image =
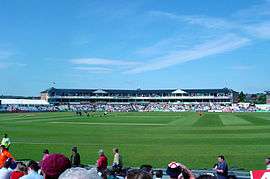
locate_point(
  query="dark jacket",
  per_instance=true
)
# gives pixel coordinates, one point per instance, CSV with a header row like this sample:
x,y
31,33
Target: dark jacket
x,y
75,160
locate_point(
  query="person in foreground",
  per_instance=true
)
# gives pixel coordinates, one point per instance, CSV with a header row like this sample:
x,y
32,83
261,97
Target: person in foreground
x,y
32,171
221,168
117,161
75,158
179,171
138,174
76,173
4,155
19,171
267,163
54,165
102,162
4,171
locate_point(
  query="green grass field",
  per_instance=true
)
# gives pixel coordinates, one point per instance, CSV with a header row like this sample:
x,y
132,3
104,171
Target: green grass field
x,y
145,138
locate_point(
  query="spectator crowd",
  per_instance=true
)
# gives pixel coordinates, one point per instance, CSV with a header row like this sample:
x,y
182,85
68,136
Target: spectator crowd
x,y
136,107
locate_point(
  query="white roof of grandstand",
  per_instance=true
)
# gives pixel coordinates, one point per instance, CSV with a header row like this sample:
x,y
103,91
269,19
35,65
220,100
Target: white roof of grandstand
x,y
178,91
100,91
24,101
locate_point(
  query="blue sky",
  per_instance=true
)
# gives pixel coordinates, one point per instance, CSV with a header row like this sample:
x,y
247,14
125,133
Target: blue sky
x,y
134,44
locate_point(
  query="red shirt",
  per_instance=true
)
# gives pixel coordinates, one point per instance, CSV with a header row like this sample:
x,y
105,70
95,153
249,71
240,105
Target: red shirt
x,y
102,162
4,156
16,175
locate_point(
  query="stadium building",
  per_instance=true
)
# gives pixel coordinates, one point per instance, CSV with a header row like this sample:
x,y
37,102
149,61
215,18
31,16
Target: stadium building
x,y
186,96
267,97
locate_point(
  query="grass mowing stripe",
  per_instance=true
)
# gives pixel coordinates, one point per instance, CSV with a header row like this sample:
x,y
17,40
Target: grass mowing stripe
x,y
150,144
38,119
185,120
110,124
209,119
264,117
233,120
254,120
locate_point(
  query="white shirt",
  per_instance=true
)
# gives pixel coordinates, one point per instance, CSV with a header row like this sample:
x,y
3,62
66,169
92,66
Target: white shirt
x,y
4,173
32,175
268,167
5,142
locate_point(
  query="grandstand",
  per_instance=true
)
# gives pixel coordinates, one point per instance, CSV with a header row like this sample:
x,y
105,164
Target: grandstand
x,y
267,97
185,96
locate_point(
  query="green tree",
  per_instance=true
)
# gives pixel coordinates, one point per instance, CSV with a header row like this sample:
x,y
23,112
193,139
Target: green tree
x,y
261,99
242,97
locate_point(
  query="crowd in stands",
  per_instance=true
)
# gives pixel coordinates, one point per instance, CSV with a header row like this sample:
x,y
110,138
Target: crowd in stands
x,y
54,166
27,108
132,107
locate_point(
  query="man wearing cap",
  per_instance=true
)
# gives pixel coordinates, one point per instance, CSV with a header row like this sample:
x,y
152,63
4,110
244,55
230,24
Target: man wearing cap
x,y
102,161
6,141
221,168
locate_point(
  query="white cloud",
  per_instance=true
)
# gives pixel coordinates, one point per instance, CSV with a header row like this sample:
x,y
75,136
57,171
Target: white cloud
x,y
261,30
205,21
94,69
253,22
229,33
162,47
102,61
226,43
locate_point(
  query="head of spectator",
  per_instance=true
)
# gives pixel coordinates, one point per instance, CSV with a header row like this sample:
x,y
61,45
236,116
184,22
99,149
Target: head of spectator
x,y
78,173
21,167
45,154
207,176
32,166
159,174
45,151
147,168
101,152
2,147
19,171
74,149
8,163
54,165
5,135
115,150
174,170
221,158
138,174
267,163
